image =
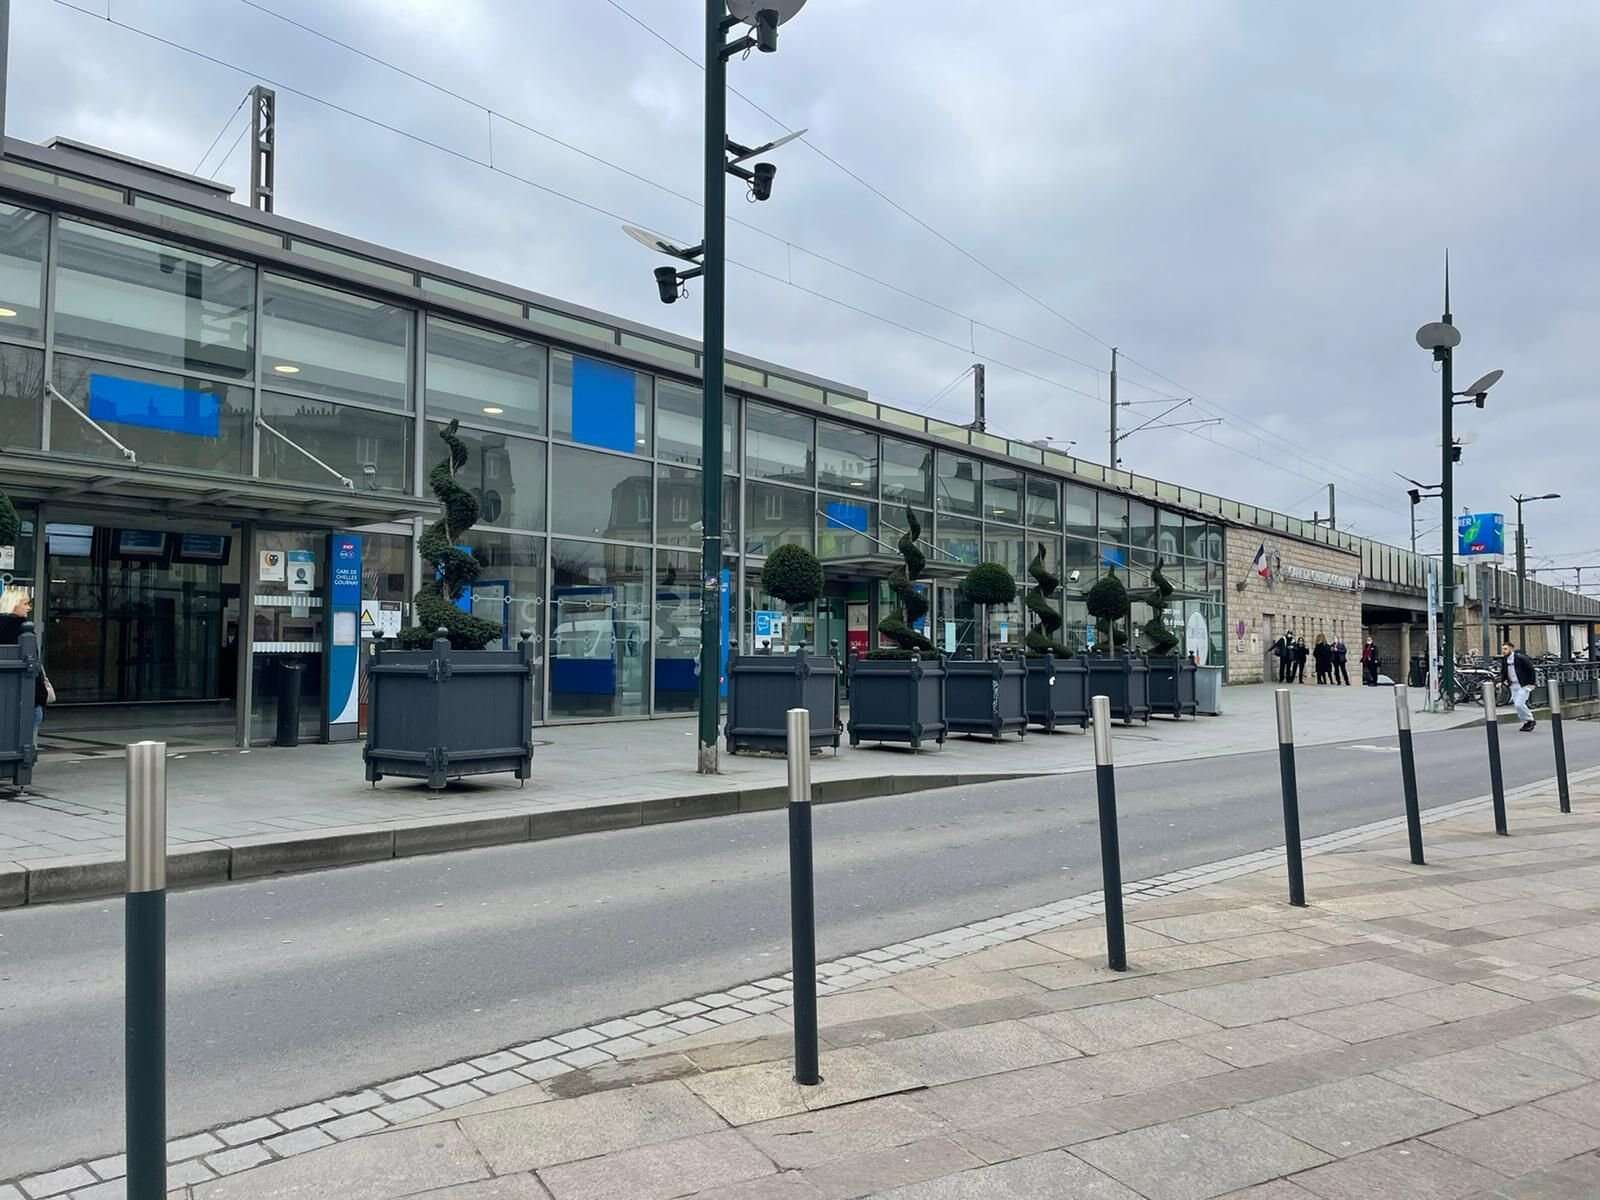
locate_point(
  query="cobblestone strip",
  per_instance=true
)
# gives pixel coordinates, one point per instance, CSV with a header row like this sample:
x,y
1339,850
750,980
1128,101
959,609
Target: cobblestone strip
x,y
198,1157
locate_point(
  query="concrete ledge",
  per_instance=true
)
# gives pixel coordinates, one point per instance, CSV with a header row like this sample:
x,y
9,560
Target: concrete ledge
x,y
763,799
688,808
572,821
197,863
431,837
13,885
76,879
273,855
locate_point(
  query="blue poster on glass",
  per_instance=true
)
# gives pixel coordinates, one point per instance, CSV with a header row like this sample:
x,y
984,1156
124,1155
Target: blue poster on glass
x,y
341,634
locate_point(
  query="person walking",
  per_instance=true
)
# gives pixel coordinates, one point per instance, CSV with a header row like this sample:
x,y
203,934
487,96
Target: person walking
x,y
1301,653
1340,656
1283,650
16,605
1324,656
1369,664
1516,671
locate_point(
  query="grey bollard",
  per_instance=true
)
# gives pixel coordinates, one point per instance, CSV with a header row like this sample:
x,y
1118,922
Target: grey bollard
x,y
1560,741
1408,770
1491,728
1110,852
802,900
145,996
1291,801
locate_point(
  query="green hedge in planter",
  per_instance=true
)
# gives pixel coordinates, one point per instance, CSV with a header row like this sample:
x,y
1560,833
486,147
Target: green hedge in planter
x,y
453,567
899,625
1042,639
1160,638
793,575
1107,602
986,584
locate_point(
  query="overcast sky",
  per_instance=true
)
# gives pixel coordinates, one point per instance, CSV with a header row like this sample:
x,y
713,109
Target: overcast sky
x,y
1253,199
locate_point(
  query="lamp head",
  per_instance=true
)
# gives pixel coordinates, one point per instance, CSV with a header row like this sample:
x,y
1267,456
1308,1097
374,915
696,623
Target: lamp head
x,y
1416,495
761,184
667,284
1436,335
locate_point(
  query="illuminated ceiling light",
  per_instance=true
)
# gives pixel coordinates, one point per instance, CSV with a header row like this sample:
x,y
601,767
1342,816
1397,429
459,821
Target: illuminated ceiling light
x,y
857,483
286,369
7,312
493,410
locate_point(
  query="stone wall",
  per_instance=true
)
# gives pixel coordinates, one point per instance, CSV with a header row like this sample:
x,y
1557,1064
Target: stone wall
x,y
1266,608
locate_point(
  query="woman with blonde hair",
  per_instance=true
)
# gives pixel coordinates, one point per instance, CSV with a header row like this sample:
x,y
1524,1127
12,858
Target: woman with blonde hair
x,y
16,606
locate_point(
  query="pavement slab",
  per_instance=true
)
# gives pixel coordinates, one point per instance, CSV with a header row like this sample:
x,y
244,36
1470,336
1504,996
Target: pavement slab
x,y
1412,1170
1352,1116
1199,1157
1518,1140
1484,1079
399,1163
660,1171
1048,1176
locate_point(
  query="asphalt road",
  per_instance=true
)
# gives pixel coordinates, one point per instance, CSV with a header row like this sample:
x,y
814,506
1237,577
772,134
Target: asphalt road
x,y
294,989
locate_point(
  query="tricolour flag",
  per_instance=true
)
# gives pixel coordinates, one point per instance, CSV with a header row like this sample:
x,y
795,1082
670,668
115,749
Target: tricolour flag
x,y
1259,563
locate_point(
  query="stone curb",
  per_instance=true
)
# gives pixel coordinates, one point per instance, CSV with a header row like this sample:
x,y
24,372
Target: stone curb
x,y
94,877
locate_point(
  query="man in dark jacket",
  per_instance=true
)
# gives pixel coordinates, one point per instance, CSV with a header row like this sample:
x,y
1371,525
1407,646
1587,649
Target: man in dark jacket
x,y
1341,654
1283,650
1516,671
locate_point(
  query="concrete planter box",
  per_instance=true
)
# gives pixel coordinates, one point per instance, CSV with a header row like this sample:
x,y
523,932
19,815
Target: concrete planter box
x,y
1125,682
19,668
762,688
442,714
1208,691
897,700
986,696
1172,685
1057,692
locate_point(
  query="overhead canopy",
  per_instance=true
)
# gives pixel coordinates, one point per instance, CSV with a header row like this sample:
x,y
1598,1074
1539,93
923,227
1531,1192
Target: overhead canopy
x,y
155,491
881,566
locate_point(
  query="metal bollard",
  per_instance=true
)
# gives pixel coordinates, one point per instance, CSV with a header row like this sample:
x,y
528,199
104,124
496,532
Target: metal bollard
x,y
1491,726
1408,770
1110,853
1291,801
802,900
1561,746
145,997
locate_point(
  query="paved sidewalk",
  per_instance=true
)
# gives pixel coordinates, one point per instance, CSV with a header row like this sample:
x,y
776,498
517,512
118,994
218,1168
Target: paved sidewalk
x,y
238,814
1417,1032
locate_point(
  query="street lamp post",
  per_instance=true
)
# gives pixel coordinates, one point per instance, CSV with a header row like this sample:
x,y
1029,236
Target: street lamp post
x,y
1522,553
1441,337
1418,493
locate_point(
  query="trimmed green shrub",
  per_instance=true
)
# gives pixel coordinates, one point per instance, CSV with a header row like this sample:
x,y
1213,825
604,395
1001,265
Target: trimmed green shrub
x,y
454,567
990,583
1107,602
898,626
10,523
1042,639
1160,638
793,575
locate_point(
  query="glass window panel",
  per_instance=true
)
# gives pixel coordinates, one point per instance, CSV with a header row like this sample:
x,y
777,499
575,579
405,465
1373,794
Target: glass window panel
x,y
1114,519
988,441
1141,526
1082,556
777,516
467,295
956,433
353,262
21,397
1027,453
1061,462
167,420
864,408
1079,511
23,234
1169,534
777,444
907,472
678,506
892,523
565,324
847,459
1194,537
678,416
1044,503
1002,494
70,182
734,373
505,473
140,299
666,353
846,528
1009,548
677,631
793,387
334,344
212,221
599,495
509,588
599,403
1215,548
905,420
599,628
485,377
960,539
372,448
957,484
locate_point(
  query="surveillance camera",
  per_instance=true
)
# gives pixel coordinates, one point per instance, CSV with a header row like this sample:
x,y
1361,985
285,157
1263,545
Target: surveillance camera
x,y
761,184
767,30
1416,496
667,284
1072,576
1455,454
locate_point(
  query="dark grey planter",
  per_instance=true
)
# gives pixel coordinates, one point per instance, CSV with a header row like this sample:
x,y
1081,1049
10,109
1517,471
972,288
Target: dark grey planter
x,y
1125,682
897,700
985,696
1172,685
442,714
1057,692
762,688
19,668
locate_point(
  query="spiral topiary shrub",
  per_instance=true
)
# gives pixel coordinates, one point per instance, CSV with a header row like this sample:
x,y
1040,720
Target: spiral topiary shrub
x,y
10,523
1159,637
453,567
1107,602
899,625
1042,638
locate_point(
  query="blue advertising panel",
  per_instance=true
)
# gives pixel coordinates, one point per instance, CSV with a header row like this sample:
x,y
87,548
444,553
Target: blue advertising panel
x,y
603,405
342,633
119,401
1481,534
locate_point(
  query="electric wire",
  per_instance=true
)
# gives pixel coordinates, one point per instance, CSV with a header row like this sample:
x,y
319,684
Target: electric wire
x,y
225,126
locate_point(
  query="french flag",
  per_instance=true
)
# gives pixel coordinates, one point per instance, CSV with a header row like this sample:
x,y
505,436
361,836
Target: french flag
x,y
1259,563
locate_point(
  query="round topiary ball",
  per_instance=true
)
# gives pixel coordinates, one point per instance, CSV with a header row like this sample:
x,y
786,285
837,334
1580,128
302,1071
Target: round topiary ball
x,y
990,583
793,575
1107,599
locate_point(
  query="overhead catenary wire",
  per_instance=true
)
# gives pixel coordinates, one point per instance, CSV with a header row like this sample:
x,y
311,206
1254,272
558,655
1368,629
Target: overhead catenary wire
x,y
225,127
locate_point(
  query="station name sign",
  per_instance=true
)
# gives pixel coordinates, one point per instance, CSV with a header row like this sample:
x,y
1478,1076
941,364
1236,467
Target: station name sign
x,y
1325,579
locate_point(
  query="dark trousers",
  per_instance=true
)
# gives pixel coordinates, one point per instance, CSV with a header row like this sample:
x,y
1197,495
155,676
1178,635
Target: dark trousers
x,y
1285,669
1299,673
1341,673
1369,674
1322,673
